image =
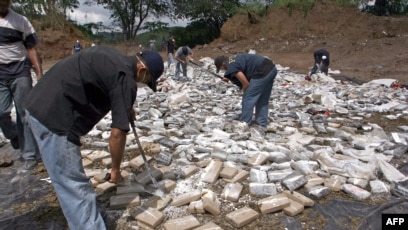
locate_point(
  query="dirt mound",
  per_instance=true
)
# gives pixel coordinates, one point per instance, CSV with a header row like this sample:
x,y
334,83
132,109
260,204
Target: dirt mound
x,y
362,46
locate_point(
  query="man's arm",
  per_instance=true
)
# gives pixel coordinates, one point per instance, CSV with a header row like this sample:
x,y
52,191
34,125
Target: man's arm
x,y
117,143
179,59
35,60
244,81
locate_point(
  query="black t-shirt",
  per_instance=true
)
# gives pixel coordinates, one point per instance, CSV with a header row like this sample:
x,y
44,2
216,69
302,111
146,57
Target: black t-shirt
x,y
170,46
318,54
80,90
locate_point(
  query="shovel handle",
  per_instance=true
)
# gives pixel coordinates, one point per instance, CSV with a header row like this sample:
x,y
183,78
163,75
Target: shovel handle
x,y
132,124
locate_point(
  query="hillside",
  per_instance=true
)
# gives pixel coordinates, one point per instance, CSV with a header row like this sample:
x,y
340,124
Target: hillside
x,y
362,46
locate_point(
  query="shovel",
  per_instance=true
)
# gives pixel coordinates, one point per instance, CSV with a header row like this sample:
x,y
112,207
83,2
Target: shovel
x,y
158,192
204,69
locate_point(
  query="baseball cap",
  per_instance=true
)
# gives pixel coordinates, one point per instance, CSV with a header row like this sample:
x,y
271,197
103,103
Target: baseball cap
x,y
218,62
155,64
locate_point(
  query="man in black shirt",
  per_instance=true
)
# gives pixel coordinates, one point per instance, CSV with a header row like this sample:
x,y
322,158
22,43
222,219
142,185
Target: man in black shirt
x,y
170,51
69,100
322,60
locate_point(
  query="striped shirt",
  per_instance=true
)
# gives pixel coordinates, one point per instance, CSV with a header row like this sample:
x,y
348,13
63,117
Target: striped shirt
x,y
16,35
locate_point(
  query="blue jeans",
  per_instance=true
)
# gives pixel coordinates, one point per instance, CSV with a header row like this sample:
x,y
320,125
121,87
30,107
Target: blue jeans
x,y
184,68
257,96
17,90
64,166
170,59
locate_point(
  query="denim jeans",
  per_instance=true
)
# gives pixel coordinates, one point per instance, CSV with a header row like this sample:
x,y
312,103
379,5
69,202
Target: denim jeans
x,y
17,90
64,166
170,59
184,68
257,96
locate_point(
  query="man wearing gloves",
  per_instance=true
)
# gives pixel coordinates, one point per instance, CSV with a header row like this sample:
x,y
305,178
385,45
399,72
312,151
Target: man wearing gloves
x,y
70,99
255,75
322,60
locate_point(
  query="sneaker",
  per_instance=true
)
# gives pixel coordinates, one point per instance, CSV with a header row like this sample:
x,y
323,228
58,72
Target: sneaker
x,y
30,164
14,142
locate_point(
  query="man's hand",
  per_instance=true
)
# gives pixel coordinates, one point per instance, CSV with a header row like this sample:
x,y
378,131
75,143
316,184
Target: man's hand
x,y
225,79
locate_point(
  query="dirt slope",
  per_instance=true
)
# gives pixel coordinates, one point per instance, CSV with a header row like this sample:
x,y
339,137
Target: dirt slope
x,y
362,46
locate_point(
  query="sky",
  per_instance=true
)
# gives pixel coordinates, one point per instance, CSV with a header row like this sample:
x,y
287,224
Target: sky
x,y
94,14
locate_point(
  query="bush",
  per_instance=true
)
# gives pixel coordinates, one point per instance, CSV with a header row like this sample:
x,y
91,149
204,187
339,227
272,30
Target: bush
x,y
256,7
387,7
292,5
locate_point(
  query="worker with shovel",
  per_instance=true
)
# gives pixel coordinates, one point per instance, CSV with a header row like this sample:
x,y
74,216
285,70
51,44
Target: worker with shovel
x,y
255,75
69,100
182,56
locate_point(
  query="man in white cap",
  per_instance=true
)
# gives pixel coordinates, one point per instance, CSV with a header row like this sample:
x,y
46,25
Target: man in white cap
x,y
322,60
68,101
77,47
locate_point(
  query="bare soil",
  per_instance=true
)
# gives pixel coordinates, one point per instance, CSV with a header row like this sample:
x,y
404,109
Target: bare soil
x,y
362,46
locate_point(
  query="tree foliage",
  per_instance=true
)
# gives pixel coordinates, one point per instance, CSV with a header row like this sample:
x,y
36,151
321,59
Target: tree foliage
x,y
34,8
206,19
154,25
129,15
203,9
387,7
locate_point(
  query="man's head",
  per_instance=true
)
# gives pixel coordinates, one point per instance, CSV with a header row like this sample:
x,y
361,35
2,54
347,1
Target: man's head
x,y
186,51
4,7
151,69
220,63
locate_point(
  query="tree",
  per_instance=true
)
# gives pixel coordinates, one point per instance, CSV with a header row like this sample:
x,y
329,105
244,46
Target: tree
x,y
207,18
150,26
129,15
386,7
218,10
47,7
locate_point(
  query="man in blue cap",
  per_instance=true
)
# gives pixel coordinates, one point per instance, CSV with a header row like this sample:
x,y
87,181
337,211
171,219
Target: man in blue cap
x,y
68,101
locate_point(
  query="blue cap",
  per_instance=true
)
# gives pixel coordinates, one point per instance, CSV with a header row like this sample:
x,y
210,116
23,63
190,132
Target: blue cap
x,y
155,64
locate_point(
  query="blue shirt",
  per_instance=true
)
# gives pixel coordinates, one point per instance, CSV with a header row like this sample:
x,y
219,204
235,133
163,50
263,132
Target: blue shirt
x,y
252,65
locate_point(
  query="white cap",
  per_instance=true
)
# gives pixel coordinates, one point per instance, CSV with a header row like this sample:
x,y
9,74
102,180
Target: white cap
x,y
324,57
